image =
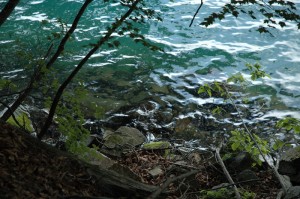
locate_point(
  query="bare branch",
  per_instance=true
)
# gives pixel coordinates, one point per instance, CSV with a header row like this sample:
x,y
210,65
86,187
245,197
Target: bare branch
x,y
168,182
196,13
7,10
236,191
37,73
63,86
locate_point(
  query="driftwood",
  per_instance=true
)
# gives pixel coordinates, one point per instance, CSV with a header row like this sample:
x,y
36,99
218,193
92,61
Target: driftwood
x,y
37,168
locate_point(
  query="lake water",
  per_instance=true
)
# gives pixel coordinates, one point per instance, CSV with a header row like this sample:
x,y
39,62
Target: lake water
x,y
132,80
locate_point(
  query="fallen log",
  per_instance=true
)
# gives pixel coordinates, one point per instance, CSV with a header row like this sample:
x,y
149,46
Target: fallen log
x,y
32,169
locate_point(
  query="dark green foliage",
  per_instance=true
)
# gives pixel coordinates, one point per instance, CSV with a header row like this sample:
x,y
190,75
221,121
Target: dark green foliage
x,y
274,13
225,193
131,27
256,72
289,124
6,86
222,193
242,141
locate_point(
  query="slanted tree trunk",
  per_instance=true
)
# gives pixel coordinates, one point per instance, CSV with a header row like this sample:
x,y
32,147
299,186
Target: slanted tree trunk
x,y
7,10
36,77
30,167
63,86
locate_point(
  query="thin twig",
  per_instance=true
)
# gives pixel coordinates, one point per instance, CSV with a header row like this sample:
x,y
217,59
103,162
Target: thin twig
x,y
237,183
168,182
196,13
48,51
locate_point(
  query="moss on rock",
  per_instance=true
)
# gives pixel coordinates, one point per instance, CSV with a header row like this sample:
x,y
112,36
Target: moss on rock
x,y
23,120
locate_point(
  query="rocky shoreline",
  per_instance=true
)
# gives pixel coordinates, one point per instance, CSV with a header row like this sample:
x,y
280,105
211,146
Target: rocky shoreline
x,y
151,159
189,138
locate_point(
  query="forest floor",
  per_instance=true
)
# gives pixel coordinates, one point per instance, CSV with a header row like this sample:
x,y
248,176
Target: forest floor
x,y
31,171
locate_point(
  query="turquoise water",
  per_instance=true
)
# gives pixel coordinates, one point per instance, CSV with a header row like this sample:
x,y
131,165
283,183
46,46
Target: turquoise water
x,y
132,74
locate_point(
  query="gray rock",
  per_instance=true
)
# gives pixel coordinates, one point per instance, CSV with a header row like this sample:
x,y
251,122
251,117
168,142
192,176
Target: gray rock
x,y
100,160
156,171
240,162
123,137
290,165
133,136
296,178
287,168
247,175
291,154
293,193
122,140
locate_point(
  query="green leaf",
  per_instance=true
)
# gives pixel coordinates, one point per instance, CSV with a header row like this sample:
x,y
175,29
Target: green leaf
x,y
218,111
297,129
235,146
205,89
278,145
236,78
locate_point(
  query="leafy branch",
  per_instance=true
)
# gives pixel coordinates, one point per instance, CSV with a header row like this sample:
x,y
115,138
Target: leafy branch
x,y
244,139
63,86
274,13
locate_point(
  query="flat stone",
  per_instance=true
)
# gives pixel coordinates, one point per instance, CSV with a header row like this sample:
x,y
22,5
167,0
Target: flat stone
x,y
134,136
157,145
156,171
124,137
122,140
101,160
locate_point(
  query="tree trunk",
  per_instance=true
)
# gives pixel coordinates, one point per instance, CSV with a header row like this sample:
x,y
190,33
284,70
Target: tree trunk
x,y
37,74
63,86
7,10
